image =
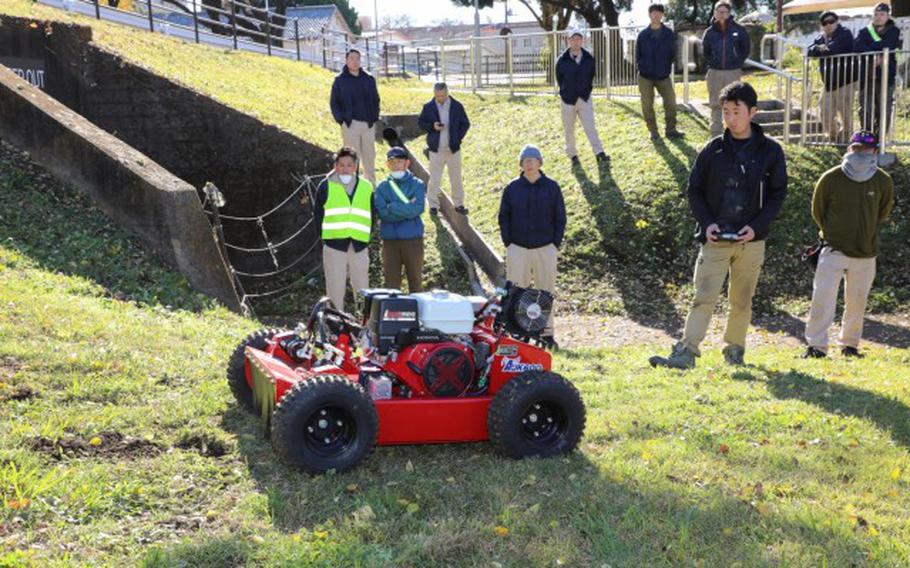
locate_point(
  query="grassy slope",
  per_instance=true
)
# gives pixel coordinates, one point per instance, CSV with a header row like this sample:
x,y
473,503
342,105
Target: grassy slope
x,y
789,462
290,95
628,246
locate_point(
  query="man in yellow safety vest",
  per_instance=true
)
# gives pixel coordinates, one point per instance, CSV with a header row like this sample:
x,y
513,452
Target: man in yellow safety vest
x,y
344,214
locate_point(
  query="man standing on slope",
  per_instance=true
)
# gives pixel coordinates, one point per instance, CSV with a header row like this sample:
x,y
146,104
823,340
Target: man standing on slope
x,y
355,105
575,74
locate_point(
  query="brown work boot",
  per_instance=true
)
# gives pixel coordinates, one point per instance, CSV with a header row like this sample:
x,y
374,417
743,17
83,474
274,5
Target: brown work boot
x,y
680,358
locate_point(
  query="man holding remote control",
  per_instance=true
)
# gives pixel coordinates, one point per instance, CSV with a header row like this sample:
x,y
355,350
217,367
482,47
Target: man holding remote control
x,y
736,189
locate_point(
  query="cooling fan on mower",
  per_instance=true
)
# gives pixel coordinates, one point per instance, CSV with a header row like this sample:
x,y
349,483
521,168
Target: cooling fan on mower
x,y
526,311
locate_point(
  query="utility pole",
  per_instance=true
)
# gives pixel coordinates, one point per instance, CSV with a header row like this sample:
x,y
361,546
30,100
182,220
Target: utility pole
x,y
507,13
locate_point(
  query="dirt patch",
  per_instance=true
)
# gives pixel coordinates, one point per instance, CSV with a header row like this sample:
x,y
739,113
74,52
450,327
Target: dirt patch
x,y
781,330
9,366
104,445
206,444
8,393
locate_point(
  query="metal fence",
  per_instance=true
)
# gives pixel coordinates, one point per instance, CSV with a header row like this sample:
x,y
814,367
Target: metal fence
x,y
842,93
527,62
238,25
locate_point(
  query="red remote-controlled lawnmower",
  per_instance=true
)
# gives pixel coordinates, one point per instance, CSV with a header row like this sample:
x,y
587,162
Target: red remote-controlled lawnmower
x,y
422,368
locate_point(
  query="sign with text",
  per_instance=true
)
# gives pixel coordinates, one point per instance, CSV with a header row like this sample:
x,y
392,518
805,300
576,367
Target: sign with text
x,y
32,70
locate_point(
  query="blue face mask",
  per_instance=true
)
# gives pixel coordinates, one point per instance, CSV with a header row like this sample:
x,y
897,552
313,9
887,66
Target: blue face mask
x,y
398,175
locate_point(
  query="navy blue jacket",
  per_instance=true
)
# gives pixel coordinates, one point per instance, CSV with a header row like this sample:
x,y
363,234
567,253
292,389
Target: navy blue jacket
x,y
354,98
890,39
727,49
576,80
532,215
654,56
759,169
400,220
838,71
458,124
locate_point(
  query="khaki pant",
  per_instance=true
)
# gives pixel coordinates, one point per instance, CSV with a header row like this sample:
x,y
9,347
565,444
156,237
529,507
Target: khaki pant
x,y
742,262
583,111
665,88
439,160
362,138
857,274
538,266
407,253
718,79
338,266
832,104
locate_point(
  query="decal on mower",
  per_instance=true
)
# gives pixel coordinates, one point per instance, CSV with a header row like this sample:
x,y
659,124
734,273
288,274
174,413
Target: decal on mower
x,y
398,315
507,350
516,366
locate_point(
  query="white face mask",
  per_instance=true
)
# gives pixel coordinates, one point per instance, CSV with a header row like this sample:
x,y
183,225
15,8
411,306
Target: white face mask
x,y
345,178
398,175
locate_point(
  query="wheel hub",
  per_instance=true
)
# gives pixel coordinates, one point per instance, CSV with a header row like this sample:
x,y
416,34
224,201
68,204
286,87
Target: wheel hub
x,y
330,431
543,422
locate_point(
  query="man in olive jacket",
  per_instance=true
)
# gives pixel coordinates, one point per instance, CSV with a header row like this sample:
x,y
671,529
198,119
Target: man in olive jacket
x,y
850,203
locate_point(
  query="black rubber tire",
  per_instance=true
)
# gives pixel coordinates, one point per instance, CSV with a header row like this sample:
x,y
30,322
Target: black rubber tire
x,y
237,365
304,406
555,398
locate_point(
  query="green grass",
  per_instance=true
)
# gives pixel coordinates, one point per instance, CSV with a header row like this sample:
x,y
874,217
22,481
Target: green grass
x,y
784,462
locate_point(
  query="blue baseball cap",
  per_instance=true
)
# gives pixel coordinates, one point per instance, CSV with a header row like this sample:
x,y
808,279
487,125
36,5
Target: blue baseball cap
x,y
396,152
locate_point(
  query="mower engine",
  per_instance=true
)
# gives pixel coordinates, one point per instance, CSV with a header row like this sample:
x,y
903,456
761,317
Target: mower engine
x,y
424,341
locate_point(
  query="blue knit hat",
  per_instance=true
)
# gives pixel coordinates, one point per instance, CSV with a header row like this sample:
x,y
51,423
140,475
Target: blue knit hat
x,y
530,151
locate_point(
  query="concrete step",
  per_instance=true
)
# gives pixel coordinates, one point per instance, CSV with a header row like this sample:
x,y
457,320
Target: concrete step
x,y
771,116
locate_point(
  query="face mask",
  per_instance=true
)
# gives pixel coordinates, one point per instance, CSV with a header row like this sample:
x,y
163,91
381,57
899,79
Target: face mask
x,y
345,178
860,166
398,175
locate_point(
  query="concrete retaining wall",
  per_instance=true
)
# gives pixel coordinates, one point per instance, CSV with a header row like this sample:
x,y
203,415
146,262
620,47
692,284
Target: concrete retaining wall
x,y
191,135
137,193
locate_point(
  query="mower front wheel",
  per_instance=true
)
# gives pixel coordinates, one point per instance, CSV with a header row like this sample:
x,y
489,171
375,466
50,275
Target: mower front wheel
x,y
239,375
325,423
538,413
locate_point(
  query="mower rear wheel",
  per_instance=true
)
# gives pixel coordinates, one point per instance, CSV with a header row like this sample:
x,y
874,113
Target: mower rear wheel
x,y
538,413
325,423
238,369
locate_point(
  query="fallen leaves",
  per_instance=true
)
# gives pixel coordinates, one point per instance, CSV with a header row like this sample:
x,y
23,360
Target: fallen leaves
x,y
724,449
896,474
501,531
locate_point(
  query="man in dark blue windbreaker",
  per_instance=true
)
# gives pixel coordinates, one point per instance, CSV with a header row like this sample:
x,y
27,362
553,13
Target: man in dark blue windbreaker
x,y
655,51
726,48
575,74
881,34
355,106
839,71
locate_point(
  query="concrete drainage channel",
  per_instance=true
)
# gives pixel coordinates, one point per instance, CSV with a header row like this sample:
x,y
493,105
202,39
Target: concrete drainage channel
x,y
485,268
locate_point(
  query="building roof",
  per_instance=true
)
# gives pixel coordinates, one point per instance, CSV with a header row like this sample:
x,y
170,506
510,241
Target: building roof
x,y
311,20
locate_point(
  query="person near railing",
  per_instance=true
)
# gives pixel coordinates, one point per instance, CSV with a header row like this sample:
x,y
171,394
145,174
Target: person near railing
x,y
839,73
726,48
532,224
879,35
354,103
343,210
400,201
575,72
736,189
446,123
850,203
655,52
